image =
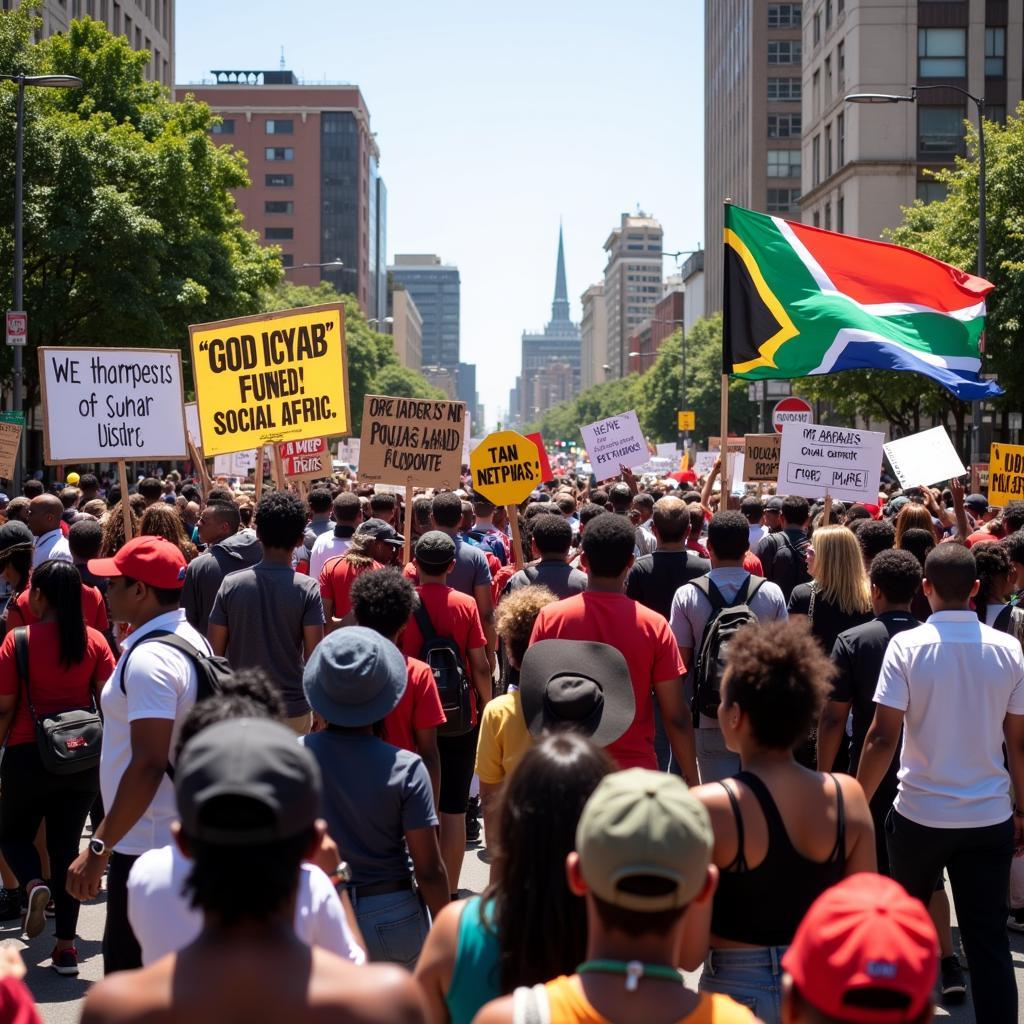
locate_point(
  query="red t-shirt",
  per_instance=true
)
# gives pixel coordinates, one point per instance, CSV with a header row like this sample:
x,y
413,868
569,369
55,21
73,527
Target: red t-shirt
x,y
419,708
94,610
336,579
753,564
452,614
500,579
982,537
646,642
55,686
16,1005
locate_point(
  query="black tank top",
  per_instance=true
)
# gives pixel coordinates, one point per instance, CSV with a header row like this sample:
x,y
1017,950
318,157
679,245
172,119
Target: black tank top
x,y
762,906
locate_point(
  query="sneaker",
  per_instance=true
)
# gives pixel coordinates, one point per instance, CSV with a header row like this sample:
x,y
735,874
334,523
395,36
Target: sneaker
x,y
35,913
65,961
10,904
954,985
473,820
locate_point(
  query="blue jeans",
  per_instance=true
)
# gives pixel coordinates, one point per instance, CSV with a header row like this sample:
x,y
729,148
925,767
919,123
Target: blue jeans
x,y
753,977
715,761
394,926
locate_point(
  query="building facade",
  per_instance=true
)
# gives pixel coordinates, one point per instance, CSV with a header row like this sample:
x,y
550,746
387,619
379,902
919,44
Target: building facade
x,y
435,288
692,273
443,378
862,163
752,116
593,337
465,391
632,283
406,329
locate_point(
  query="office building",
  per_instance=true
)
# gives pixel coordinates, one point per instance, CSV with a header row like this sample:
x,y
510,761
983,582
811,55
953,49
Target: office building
x,y
435,288
752,116
692,273
313,162
554,383
406,329
862,163
593,337
443,378
559,342
632,283
465,391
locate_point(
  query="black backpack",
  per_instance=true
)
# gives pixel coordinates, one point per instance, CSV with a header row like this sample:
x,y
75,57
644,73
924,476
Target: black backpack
x,y
789,567
443,657
725,621
1010,620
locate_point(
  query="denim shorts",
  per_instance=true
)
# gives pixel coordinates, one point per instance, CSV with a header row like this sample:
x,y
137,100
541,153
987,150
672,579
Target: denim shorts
x,y
394,926
752,977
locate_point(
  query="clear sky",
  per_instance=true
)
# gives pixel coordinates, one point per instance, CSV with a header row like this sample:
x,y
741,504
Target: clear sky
x,y
494,121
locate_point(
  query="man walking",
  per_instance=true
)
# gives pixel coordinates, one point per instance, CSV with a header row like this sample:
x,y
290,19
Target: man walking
x,y
44,518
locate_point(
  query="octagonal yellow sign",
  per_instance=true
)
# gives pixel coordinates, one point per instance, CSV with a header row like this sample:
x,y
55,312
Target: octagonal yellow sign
x,y
505,467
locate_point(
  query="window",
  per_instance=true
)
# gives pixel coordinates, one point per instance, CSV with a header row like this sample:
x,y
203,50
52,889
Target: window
x,y
817,27
840,140
940,130
279,180
841,62
281,234
783,163
841,215
828,216
784,88
287,259
828,14
816,160
278,206
226,127
784,126
784,51
816,91
817,219
941,52
280,127
828,80
828,151
996,112
995,52
280,153
782,200
931,191
840,7
784,15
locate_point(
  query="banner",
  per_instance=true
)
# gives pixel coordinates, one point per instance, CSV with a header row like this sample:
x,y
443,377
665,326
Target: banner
x,y
305,460
411,441
761,462
105,404
817,460
614,442
271,377
1005,474
924,459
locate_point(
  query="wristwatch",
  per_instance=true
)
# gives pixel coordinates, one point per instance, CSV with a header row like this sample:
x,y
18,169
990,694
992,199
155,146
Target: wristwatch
x,y
97,847
342,874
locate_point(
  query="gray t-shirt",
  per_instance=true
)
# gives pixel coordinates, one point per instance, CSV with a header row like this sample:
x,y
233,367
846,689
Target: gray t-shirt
x,y
265,609
373,794
471,568
558,576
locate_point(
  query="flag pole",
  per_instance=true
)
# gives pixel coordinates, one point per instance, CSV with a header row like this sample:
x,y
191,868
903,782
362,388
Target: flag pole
x,y
726,479
724,454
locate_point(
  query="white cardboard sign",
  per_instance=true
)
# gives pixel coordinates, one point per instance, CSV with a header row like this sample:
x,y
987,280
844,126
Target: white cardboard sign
x,y
348,451
236,464
817,460
924,459
704,462
613,442
192,424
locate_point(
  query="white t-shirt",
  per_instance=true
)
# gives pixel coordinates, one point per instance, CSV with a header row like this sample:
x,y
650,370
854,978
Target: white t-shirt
x,y
161,683
956,679
756,533
164,922
326,547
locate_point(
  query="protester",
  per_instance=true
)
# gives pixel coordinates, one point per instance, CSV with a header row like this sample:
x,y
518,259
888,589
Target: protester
x,y
114,536
385,507
874,537
753,509
44,520
320,507
332,543
374,545
914,517
996,577
483,531
17,510
161,520
783,553
550,540
16,549
269,616
249,801
526,927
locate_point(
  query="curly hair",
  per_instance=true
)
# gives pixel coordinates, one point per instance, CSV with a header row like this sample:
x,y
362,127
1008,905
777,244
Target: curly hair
x,y
382,600
779,675
280,519
516,615
161,520
995,571
113,530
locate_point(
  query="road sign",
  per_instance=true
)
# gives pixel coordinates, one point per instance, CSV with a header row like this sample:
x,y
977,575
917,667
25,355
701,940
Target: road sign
x,y
505,467
17,328
686,419
791,410
1016,420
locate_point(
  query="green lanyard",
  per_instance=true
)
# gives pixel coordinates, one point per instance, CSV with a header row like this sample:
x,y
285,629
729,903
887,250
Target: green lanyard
x,y
633,970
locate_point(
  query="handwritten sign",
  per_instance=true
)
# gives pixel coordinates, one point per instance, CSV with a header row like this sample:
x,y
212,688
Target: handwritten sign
x,y
614,442
236,464
305,460
10,444
704,462
761,462
348,452
1005,474
105,404
270,378
411,440
925,458
816,460
505,467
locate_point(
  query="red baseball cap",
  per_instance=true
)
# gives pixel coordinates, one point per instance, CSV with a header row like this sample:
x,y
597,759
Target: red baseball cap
x,y
866,933
154,561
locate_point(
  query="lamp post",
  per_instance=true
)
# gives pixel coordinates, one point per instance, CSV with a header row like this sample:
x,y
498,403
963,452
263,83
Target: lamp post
x,y
979,103
38,82
332,264
684,435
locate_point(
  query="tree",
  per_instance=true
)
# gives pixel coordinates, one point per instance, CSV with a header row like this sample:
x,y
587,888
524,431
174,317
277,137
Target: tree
x,y
131,232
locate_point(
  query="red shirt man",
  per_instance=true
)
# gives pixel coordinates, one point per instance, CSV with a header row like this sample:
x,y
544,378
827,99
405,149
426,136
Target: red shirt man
x,y
336,581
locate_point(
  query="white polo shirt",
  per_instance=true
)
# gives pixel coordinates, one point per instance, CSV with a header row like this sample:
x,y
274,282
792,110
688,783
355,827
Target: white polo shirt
x,y
51,545
956,679
326,547
161,683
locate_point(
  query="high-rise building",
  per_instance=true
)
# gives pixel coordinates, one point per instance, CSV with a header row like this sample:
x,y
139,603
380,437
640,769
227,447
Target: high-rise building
x,y
632,283
443,378
692,273
406,329
559,342
861,163
146,24
313,163
752,115
465,388
435,288
593,337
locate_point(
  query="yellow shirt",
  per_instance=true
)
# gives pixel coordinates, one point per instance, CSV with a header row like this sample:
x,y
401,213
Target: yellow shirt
x,y
503,740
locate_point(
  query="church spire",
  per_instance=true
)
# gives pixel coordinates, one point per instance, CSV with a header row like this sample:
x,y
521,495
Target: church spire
x,y
560,307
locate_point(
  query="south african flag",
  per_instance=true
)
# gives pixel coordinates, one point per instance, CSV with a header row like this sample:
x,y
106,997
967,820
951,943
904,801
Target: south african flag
x,y
802,301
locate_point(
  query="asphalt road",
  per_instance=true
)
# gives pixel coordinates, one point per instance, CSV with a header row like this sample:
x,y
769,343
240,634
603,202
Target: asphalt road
x,y
59,998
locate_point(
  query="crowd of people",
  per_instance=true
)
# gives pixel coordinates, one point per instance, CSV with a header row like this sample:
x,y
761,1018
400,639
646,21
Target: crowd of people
x,y
748,737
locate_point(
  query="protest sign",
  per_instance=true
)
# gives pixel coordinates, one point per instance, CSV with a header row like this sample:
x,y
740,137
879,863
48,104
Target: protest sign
x,y
979,477
309,459
1005,473
761,463
10,445
348,452
235,464
505,468
923,459
817,460
542,456
411,441
271,377
669,450
734,444
110,404
737,471
704,462
614,442
466,435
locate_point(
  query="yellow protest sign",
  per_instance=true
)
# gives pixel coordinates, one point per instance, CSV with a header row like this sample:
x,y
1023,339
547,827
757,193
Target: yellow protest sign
x,y
686,419
505,467
1005,474
270,378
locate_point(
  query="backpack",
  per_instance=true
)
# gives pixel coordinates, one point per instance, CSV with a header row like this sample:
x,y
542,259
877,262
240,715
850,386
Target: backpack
x,y
726,619
1010,620
789,566
442,655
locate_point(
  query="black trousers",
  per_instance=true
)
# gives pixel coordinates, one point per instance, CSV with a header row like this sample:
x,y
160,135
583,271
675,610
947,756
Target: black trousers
x,y
29,794
121,951
978,863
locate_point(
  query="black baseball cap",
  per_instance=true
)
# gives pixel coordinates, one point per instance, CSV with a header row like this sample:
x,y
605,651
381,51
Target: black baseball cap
x,y
253,759
773,504
434,549
379,530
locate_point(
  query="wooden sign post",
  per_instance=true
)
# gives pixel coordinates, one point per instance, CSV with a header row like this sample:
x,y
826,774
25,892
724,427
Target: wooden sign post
x,y
407,524
126,510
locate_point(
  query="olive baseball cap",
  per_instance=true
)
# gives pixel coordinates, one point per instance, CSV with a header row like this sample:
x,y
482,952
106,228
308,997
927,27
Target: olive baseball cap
x,y
640,823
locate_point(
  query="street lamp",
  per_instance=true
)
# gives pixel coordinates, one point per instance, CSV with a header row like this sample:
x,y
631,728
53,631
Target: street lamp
x,y
640,356
39,82
684,435
383,322
979,103
332,264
